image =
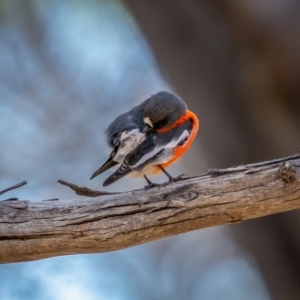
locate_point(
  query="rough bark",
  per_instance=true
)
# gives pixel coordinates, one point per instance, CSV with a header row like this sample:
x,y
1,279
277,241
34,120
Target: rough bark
x,y
36,230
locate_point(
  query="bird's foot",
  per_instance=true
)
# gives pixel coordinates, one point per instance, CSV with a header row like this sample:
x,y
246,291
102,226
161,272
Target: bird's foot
x,y
150,185
178,178
174,179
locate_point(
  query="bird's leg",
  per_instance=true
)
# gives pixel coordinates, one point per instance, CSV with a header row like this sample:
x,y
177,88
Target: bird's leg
x,y
150,183
171,178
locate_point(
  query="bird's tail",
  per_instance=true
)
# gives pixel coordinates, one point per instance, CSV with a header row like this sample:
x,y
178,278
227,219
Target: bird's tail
x,y
107,165
120,173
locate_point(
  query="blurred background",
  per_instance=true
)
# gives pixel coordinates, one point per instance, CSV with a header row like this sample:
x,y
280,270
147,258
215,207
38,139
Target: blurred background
x,y
68,68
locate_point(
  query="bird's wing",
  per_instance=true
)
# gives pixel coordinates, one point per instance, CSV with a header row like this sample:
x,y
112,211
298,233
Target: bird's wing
x,y
123,135
155,149
127,165
127,141
128,121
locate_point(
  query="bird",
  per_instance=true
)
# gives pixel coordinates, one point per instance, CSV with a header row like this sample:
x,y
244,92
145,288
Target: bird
x,y
149,137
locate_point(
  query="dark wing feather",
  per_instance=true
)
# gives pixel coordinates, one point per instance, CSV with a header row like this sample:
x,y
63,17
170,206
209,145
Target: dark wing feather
x,y
129,161
107,165
128,121
123,170
174,134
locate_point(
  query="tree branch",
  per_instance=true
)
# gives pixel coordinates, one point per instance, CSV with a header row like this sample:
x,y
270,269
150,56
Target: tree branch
x,y
35,230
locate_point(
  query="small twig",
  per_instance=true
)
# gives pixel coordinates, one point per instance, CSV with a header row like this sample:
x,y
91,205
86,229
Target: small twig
x,y
273,162
214,172
84,191
13,187
52,199
247,168
11,199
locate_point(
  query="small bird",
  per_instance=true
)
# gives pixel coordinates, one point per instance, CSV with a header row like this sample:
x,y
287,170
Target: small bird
x,y
149,137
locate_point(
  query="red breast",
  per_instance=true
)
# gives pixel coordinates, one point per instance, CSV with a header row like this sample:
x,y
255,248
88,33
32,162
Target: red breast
x,y
180,150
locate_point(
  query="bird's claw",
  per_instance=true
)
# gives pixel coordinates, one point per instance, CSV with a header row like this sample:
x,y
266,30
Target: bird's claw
x,y
150,185
178,178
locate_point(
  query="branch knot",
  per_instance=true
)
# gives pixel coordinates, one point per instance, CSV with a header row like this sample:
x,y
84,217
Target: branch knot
x,y
287,172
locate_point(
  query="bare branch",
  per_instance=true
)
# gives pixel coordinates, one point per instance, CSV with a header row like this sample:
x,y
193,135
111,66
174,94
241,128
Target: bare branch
x,y
35,230
13,187
84,191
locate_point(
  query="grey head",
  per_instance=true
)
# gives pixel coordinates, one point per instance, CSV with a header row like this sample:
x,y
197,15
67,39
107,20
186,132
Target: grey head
x,y
163,110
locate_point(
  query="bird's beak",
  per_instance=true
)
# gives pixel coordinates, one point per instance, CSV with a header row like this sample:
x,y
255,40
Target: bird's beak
x,y
147,128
